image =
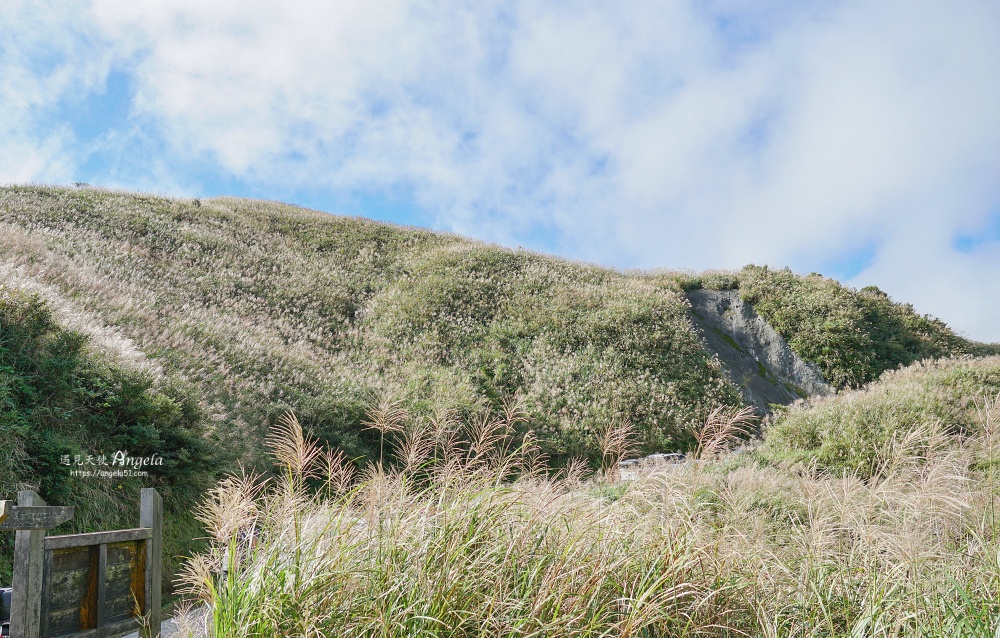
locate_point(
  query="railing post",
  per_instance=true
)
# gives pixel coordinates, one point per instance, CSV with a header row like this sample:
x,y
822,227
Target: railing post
x,y
151,516
29,559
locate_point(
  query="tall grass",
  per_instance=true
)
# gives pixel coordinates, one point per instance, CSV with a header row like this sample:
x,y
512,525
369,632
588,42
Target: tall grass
x,y
265,307
857,431
470,539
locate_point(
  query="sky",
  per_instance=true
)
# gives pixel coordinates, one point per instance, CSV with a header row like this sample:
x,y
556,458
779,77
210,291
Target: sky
x,y
857,139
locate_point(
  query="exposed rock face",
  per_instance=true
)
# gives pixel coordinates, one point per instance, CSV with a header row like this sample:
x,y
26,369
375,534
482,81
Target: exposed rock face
x,y
753,354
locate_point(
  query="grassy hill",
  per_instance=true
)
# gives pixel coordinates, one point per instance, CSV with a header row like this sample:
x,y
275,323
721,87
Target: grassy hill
x,y
260,307
263,307
188,328
883,523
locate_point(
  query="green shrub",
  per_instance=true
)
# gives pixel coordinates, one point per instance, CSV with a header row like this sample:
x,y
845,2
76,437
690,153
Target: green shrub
x,y
853,336
583,347
858,432
59,401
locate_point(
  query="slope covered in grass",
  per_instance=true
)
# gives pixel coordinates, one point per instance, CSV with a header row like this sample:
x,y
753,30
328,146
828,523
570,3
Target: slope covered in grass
x,y
264,307
859,432
471,540
244,310
852,335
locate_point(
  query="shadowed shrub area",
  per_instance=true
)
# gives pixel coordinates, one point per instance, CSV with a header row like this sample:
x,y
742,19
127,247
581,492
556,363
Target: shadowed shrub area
x,y
62,407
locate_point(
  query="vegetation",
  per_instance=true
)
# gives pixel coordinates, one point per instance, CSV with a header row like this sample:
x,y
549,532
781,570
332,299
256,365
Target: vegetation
x,y
266,307
859,432
188,328
62,405
853,335
465,537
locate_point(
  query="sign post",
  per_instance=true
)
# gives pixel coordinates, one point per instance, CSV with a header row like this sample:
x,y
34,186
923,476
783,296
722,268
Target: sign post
x,y
98,584
30,518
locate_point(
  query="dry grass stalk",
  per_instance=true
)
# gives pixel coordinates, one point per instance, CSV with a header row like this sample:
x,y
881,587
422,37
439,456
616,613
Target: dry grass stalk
x,y
618,441
724,428
988,416
387,416
291,448
339,472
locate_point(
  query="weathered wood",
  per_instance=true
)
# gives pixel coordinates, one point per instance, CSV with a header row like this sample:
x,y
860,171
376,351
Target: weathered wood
x,y
29,559
64,621
35,517
119,609
138,584
88,611
123,553
71,591
151,516
71,559
85,585
119,588
114,629
97,538
69,597
102,585
122,572
43,614
70,579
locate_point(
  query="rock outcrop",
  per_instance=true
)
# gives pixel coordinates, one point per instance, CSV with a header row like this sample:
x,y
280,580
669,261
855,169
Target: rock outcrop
x,y
757,359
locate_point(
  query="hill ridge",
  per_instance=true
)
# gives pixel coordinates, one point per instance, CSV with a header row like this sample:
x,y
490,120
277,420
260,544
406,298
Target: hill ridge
x,y
263,307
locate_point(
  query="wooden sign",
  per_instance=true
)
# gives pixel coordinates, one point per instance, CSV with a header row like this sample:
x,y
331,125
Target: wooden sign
x,y
38,517
94,581
95,585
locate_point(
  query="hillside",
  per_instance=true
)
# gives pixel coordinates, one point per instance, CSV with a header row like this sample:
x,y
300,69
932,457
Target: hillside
x,y
260,307
881,522
263,307
852,336
187,328
907,411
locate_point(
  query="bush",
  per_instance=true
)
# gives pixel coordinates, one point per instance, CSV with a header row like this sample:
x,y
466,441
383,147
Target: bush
x,y
59,402
856,432
583,347
853,336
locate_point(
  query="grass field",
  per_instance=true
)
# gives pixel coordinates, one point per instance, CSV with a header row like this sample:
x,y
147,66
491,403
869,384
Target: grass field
x,y
471,539
473,400
262,307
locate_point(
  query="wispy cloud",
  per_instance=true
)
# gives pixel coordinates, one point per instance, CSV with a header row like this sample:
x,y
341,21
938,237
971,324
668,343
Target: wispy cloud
x,y
853,136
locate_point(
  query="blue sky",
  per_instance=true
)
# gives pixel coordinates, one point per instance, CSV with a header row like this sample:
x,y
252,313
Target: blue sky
x,y
855,139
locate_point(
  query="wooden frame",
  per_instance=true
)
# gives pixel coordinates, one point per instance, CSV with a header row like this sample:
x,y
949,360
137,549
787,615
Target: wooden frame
x,y
95,585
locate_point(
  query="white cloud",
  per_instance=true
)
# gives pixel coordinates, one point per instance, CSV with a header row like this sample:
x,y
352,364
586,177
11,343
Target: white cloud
x,y
35,45
683,134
